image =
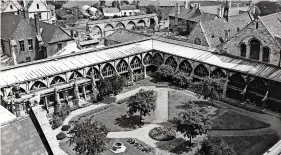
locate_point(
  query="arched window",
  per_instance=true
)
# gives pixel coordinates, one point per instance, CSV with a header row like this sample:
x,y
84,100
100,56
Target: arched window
x,y
94,71
37,6
255,49
258,85
135,63
107,70
243,50
265,56
57,80
201,71
218,73
171,62
197,41
147,59
185,67
122,66
38,85
158,60
75,75
237,80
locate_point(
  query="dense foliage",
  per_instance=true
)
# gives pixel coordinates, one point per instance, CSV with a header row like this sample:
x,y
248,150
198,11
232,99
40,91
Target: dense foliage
x,y
153,9
192,121
162,134
111,85
268,7
65,128
60,136
142,102
88,138
209,88
215,146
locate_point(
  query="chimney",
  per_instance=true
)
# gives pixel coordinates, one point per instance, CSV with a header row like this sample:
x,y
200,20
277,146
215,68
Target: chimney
x,y
187,4
37,26
13,47
220,11
177,14
25,13
227,32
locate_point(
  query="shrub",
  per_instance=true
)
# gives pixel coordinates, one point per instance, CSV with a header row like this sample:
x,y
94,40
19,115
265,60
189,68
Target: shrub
x,y
61,136
65,128
162,134
57,122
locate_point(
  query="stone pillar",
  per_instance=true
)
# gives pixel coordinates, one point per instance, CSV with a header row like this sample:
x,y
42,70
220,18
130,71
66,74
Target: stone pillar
x,y
46,102
131,75
84,92
225,86
144,71
248,51
19,110
261,55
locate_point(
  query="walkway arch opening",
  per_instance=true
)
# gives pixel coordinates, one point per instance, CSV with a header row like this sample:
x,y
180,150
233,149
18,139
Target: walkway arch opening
x,y
218,73
108,29
141,24
122,66
96,32
107,70
157,59
131,25
255,49
120,26
38,85
171,62
152,23
147,60
201,71
57,80
75,75
93,71
185,67
236,85
19,89
136,62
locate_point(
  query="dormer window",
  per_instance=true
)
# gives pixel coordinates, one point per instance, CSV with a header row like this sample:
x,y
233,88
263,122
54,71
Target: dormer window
x,y
37,6
11,6
257,25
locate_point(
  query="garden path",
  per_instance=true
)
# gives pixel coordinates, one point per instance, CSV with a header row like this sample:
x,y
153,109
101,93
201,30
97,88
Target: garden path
x,y
161,109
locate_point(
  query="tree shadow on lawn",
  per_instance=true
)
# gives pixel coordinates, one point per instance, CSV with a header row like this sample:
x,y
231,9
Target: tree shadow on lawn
x,y
131,122
177,146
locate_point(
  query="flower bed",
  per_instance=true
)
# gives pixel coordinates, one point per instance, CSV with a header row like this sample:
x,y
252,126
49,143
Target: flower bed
x,y
162,134
140,146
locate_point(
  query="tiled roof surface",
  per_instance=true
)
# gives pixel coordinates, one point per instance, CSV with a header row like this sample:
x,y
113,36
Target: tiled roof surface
x,y
192,14
272,23
19,137
110,10
214,10
160,2
128,7
214,29
125,36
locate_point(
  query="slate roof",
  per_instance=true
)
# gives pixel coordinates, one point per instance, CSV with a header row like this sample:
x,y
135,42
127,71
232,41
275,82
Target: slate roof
x,y
214,29
192,14
20,137
128,7
110,10
122,35
48,32
9,24
214,10
160,3
272,23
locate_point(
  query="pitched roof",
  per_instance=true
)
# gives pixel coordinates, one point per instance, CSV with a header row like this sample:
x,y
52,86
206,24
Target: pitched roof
x,y
20,136
214,10
48,32
110,10
5,3
10,23
123,35
272,23
71,4
160,3
128,7
192,14
214,29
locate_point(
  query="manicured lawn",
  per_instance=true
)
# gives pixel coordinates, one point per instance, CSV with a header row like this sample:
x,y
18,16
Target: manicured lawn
x,y
130,150
252,145
114,118
232,120
144,82
222,119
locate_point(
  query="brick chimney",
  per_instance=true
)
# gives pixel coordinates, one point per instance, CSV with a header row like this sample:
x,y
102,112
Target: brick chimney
x,y
13,48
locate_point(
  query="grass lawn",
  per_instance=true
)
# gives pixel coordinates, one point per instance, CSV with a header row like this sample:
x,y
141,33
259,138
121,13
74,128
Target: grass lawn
x,y
130,150
222,119
114,118
252,145
144,82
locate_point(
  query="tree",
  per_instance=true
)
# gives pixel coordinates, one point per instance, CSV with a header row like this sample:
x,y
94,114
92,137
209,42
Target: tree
x,y
115,4
215,146
209,89
192,122
165,73
153,9
267,7
117,84
142,102
102,3
125,2
182,79
88,138
105,88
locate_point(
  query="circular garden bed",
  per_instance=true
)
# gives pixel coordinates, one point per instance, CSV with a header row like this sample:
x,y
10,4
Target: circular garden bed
x,y
162,134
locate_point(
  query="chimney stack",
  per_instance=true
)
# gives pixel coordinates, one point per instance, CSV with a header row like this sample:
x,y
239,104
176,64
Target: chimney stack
x,y
220,11
187,4
13,47
37,26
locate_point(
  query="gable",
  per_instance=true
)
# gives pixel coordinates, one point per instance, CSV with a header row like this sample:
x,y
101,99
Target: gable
x,y
32,7
15,7
198,32
60,36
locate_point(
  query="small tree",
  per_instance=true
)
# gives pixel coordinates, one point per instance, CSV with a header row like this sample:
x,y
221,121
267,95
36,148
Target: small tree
x,y
153,9
142,102
209,89
215,146
182,79
88,138
165,73
192,122
105,88
117,84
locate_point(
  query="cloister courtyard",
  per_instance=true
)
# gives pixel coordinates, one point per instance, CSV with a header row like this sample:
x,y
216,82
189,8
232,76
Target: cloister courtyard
x,y
248,132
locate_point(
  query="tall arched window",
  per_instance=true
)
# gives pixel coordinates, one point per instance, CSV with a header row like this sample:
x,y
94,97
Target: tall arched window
x,y
158,60
122,66
57,80
37,6
75,75
185,67
265,56
147,59
38,85
243,50
93,71
255,49
135,63
201,71
171,62
107,70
